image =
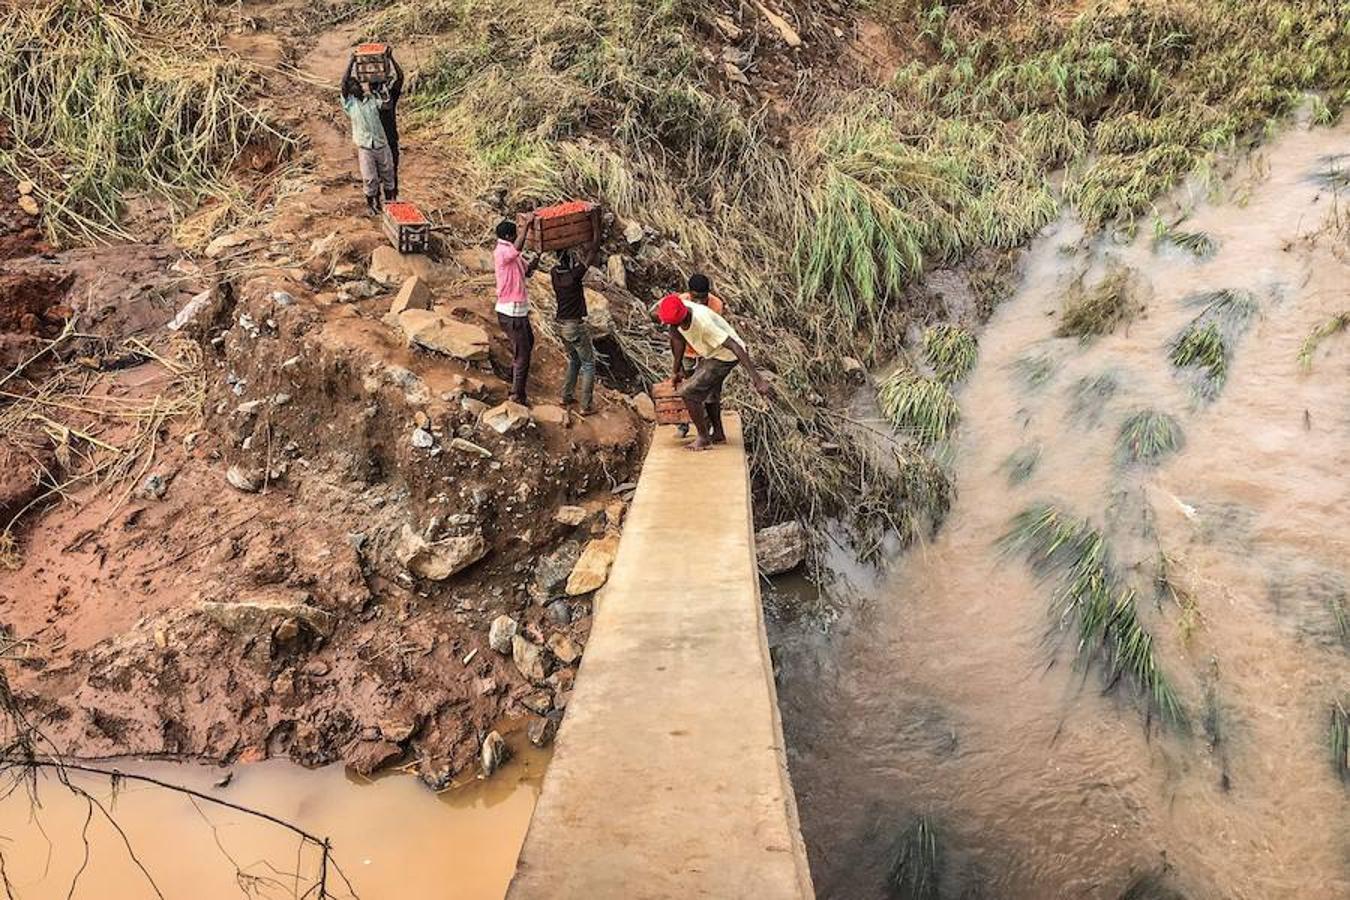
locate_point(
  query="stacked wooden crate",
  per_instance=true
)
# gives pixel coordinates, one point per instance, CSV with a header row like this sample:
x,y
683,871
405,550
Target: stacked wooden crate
x,y
372,63
562,226
405,226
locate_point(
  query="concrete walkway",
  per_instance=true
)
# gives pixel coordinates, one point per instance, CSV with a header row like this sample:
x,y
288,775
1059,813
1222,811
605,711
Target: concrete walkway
x,y
669,778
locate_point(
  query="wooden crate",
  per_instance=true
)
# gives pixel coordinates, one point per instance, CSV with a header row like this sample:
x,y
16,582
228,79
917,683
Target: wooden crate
x,y
670,408
562,226
405,226
372,63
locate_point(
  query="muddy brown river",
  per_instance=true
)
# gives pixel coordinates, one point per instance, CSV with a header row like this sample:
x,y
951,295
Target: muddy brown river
x,y
944,687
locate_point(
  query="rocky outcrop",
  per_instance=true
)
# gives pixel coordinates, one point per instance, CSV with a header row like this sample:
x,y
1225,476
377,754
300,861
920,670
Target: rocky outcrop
x,y
592,568
438,560
780,548
432,331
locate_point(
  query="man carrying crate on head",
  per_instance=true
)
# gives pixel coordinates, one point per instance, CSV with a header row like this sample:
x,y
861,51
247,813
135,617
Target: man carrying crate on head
x,y
372,147
719,349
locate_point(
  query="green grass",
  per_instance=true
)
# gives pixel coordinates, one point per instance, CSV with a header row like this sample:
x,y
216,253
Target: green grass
x,y
1089,395
919,407
1338,733
1197,243
1101,309
1330,328
1035,370
1148,436
1021,464
916,863
1091,595
100,105
1205,345
952,352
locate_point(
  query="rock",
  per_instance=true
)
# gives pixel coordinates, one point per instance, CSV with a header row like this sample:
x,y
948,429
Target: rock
x,y
283,298
475,259
397,730
494,753
615,270
250,481
316,668
390,267
552,570
633,233
432,331
599,319
422,439
438,560
529,658
785,31
550,415
559,612
542,731
730,30
470,447
367,757
26,187
561,646
220,245
29,205
644,405
592,568
539,702
501,633
506,417
360,290
734,75
570,515
191,310
853,369
153,487
413,295
780,548
265,618
473,407
250,407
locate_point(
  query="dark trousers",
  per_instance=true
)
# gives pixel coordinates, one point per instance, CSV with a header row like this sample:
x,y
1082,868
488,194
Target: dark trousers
x,y
390,124
521,336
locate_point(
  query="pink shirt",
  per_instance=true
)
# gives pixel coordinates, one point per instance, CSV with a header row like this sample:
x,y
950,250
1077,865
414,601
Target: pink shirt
x,y
510,264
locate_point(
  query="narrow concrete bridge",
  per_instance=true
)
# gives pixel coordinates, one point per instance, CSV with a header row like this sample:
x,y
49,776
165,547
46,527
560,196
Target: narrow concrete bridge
x,y
669,778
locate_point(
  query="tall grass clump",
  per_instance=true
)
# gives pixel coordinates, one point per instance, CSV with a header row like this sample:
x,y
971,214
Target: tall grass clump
x,y
1338,734
1100,309
1330,328
108,99
920,407
1205,345
1147,436
916,863
951,351
1091,595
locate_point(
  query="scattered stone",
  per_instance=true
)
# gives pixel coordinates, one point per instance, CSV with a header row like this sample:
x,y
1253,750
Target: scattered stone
x,y
432,331
283,298
734,75
413,295
559,612
550,415
599,319
422,439
853,369
501,633
506,417
26,187
460,443
618,274
529,658
475,259
592,568
541,731
785,31
249,407
552,570
633,233
644,405
730,30
495,752
561,646
153,487
539,702
191,310
571,515
217,248
161,639
29,205
250,481
281,399
438,560
390,267
473,407
316,668
780,548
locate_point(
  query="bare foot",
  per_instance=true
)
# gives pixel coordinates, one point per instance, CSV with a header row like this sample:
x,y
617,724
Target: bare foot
x,y
699,444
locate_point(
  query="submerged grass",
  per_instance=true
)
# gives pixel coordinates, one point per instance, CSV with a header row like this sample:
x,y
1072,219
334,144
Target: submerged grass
x,y
1330,328
1147,436
951,351
1035,369
920,407
1197,243
1088,397
916,863
1091,595
1100,309
1338,734
1205,345
1021,464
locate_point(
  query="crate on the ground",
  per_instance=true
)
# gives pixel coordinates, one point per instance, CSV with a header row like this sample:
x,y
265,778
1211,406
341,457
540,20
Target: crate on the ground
x,y
670,408
562,226
373,63
407,229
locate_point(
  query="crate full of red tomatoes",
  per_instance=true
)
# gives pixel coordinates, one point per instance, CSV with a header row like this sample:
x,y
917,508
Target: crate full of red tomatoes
x,y
373,63
405,226
563,226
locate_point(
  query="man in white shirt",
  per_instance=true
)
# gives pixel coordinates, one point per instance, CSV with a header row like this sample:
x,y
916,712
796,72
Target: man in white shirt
x,y
719,348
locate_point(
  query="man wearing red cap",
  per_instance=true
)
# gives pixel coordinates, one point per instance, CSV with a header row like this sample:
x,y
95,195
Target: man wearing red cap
x,y
719,349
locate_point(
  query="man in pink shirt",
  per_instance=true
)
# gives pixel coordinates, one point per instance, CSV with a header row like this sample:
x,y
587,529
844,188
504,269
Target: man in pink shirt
x,y
513,305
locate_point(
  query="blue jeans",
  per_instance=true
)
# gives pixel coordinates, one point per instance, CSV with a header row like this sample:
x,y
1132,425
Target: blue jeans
x,y
576,340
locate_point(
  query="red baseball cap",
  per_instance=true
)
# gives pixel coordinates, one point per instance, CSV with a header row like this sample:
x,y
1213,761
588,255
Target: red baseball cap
x,y
672,310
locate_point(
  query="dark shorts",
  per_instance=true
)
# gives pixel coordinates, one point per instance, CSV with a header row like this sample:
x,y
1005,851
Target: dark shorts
x,y
705,385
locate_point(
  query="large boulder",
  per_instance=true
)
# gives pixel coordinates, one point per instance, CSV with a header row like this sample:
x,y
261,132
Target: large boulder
x,y
592,568
432,331
780,548
506,417
389,267
438,560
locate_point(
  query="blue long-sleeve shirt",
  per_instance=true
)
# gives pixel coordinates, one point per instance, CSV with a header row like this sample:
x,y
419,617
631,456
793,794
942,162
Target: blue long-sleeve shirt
x,y
367,131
